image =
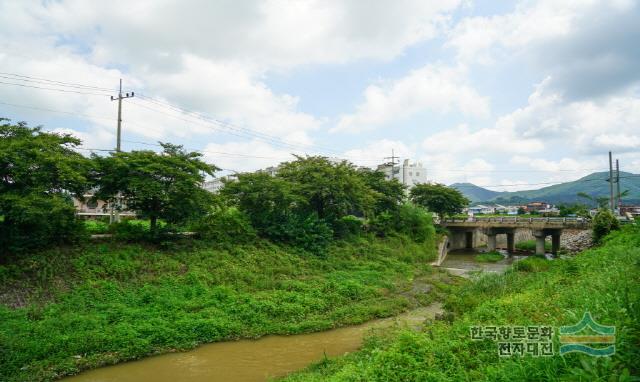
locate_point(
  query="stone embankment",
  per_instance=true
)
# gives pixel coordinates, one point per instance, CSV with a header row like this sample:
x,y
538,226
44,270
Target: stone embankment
x,y
575,241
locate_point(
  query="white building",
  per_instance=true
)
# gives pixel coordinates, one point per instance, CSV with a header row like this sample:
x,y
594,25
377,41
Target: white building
x,y
214,185
406,172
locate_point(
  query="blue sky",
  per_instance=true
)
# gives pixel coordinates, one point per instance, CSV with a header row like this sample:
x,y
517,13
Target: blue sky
x,y
501,94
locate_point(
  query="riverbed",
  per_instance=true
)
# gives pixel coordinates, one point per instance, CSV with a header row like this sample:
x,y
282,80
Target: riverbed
x,y
252,360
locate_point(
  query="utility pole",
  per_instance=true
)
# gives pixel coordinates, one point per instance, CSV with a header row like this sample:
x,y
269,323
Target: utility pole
x,y
618,185
115,215
393,164
611,183
120,97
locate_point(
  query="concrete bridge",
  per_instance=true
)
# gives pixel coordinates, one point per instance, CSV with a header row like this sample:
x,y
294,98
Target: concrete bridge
x,y
465,233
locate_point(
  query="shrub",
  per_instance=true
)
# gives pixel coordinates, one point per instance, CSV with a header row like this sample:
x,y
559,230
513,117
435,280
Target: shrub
x,y
226,225
128,231
603,223
382,224
35,221
415,222
348,226
310,233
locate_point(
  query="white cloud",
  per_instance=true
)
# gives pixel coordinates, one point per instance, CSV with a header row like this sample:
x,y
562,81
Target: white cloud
x,y
463,140
569,40
377,152
436,88
592,126
261,34
241,156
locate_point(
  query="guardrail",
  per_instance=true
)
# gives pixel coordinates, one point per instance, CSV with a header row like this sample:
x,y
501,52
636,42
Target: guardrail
x,y
508,219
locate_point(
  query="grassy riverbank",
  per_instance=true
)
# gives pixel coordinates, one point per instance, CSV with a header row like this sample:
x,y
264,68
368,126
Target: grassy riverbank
x,y
65,310
604,281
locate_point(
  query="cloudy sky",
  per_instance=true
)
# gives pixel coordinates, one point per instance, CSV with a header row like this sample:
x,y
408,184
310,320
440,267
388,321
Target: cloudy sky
x,y
498,93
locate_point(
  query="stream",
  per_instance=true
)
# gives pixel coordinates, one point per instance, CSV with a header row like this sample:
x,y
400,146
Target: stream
x,y
251,360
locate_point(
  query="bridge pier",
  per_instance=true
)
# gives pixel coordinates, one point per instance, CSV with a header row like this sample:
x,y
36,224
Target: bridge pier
x,y
511,242
491,242
491,237
541,236
555,243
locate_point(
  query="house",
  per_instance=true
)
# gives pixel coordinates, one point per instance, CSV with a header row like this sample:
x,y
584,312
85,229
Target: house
x,y
481,209
406,173
537,206
91,208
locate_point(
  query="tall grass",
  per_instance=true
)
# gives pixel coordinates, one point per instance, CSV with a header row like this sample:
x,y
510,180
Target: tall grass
x,y
69,309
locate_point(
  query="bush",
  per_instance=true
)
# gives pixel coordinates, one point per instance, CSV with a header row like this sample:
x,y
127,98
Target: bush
x,y
310,233
35,221
415,222
382,224
226,225
603,223
348,226
128,231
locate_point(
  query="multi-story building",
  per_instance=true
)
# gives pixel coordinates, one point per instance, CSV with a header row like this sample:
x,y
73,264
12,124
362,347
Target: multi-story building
x,y
406,172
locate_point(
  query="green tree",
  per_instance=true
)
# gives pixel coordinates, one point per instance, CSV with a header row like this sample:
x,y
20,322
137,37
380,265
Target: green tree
x,y
39,172
603,223
438,198
269,202
156,186
331,190
389,194
278,211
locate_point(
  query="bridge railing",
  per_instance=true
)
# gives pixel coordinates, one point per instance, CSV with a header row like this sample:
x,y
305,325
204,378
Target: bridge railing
x,y
515,219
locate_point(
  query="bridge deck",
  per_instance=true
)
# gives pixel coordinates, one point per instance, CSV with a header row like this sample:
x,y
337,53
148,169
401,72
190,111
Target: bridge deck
x,y
518,222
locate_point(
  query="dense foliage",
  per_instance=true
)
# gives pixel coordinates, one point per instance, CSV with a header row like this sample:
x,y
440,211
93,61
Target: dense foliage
x,y
39,172
439,198
603,223
164,185
312,200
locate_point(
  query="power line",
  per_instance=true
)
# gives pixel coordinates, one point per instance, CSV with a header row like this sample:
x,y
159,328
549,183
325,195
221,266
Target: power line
x,y
56,81
232,126
52,89
17,77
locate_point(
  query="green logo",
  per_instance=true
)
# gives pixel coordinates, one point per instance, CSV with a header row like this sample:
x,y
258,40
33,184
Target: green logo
x,y
593,334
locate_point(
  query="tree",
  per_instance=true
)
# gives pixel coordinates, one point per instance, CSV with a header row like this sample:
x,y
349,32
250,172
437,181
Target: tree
x,y
269,202
39,172
603,223
157,186
278,211
438,198
331,190
389,194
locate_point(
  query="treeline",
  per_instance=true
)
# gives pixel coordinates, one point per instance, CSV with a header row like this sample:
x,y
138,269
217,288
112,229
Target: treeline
x,y
309,202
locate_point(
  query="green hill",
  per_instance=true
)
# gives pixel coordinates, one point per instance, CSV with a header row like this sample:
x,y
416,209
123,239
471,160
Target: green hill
x,y
475,193
594,184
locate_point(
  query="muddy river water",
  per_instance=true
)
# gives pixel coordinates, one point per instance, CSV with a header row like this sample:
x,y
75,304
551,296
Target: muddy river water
x,y
250,360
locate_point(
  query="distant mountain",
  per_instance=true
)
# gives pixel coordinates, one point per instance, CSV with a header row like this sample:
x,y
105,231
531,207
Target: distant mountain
x,y
594,184
475,193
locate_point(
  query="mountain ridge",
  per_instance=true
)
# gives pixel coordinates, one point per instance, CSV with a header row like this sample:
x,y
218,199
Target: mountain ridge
x,y
594,184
